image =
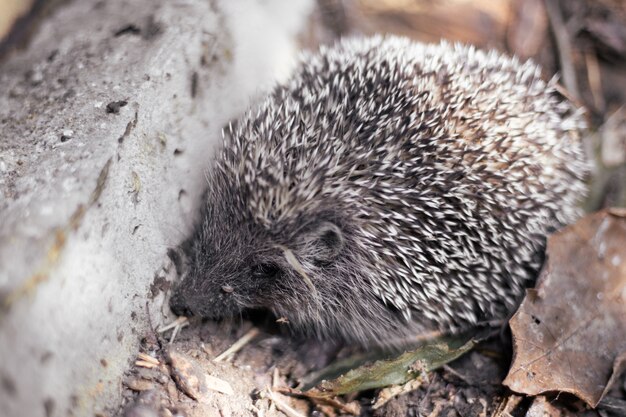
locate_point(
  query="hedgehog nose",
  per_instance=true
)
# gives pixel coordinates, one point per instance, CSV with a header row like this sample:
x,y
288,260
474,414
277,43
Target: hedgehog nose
x,y
178,305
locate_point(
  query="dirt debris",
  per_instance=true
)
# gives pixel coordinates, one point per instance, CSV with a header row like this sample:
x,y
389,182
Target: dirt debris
x,y
586,41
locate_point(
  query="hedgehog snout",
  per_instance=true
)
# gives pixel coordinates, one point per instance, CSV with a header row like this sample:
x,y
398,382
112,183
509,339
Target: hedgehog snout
x,y
178,304
216,302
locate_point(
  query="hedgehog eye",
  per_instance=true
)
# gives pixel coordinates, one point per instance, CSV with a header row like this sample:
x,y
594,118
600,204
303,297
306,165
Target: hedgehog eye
x,y
264,270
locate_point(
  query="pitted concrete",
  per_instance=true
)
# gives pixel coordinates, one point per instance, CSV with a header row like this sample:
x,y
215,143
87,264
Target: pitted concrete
x,y
107,125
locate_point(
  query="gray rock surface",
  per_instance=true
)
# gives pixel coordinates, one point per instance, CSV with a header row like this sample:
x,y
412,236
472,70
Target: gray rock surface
x,y
107,124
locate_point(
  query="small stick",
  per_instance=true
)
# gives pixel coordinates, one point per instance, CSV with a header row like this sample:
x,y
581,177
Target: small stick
x,y
275,376
595,80
145,364
563,47
180,321
175,333
458,374
238,345
177,324
318,398
147,358
283,406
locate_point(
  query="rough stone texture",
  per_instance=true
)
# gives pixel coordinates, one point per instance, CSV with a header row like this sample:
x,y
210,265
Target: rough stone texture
x,y
93,192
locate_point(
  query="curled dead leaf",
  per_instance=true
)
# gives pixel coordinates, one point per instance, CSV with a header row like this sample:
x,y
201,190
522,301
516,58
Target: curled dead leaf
x,y
569,333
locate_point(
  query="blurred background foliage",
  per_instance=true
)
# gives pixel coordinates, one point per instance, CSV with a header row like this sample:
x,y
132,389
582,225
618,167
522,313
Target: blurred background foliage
x,y
10,11
584,41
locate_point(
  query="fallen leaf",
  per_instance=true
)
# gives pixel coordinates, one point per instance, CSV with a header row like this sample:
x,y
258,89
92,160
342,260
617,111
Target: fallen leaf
x,y
399,370
570,331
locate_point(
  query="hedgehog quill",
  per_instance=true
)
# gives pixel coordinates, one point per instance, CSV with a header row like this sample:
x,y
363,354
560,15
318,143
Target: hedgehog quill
x,y
388,188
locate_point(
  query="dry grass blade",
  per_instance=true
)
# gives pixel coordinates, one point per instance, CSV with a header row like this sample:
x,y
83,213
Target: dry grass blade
x,y
352,408
147,358
145,364
238,345
564,47
283,406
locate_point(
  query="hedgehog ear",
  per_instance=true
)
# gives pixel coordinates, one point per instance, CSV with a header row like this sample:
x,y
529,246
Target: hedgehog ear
x,y
322,243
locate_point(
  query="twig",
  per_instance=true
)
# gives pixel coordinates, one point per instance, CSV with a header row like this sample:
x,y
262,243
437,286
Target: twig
x,y
177,324
320,398
506,406
275,377
236,347
563,47
283,406
459,375
145,364
147,358
595,80
567,95
175,333
180,321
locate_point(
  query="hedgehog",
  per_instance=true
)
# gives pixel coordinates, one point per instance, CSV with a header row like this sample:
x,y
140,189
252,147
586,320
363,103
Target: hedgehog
x,y
388,188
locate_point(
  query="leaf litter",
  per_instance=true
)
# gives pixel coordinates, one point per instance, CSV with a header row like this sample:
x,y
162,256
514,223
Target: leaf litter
x,y
569,334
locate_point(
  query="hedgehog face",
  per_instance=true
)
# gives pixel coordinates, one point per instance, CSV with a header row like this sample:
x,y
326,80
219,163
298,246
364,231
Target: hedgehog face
x,y
225,274
255,270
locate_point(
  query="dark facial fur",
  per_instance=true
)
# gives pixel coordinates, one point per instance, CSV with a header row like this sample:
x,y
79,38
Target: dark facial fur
x,y
389,187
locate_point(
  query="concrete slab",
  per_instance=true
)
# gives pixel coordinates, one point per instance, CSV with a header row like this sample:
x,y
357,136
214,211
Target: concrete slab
x,y
107,125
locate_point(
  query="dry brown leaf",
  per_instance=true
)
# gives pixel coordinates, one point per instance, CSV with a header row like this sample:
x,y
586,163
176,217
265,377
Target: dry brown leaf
x,y
570,331
541,407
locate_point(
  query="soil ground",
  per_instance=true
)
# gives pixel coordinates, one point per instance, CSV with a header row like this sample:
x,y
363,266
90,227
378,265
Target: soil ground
x,y
582,40
469,386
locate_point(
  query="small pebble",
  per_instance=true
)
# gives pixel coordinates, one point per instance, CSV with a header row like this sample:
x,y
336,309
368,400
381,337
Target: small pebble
x,y
115,106
66,135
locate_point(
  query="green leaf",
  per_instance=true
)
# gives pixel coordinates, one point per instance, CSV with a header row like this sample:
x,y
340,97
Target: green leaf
x,y
426,357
